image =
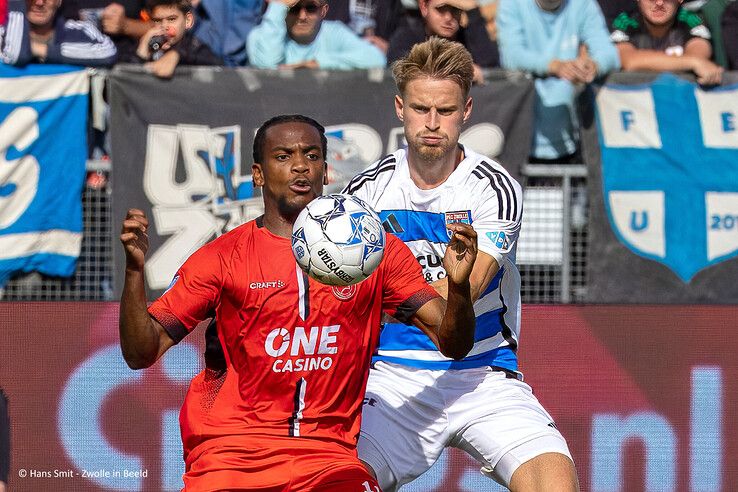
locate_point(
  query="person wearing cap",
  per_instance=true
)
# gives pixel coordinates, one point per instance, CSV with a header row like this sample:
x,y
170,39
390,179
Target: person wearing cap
x,y
294,34
456,20
664,37
564,43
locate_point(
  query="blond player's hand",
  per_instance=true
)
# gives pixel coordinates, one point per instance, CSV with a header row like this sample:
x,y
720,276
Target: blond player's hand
x,y
460,253
135,239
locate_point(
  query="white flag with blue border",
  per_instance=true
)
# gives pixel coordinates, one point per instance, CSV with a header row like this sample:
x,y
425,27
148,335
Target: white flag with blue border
x,y
43,149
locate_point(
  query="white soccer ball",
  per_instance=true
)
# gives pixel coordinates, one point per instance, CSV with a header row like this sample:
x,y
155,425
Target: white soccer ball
x,y
338,240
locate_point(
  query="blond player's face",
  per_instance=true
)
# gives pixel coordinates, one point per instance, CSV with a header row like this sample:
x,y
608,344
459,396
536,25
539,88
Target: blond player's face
x,y
433,112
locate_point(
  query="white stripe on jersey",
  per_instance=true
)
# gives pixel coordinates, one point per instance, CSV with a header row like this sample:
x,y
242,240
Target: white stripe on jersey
x,y
301,288
479,347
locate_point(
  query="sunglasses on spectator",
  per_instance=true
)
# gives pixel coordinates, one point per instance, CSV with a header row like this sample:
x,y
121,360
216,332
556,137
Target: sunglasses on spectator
x,y
310,8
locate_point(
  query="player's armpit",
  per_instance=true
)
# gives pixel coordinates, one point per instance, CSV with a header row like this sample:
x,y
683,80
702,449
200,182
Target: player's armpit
x,y
485,269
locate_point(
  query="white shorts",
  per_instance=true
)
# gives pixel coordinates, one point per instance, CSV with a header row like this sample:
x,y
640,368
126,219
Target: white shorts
x,y
410,415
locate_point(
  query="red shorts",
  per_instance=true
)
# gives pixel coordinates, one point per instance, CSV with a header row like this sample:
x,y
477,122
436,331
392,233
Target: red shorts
x,y
275,464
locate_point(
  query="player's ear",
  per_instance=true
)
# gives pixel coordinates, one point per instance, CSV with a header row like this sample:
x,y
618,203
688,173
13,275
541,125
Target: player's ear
x,y
399,105
467,108
325,174
257,175
189,20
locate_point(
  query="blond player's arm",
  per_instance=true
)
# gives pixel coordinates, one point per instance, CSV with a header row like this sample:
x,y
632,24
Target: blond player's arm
x,y
142,339
450,323
485,269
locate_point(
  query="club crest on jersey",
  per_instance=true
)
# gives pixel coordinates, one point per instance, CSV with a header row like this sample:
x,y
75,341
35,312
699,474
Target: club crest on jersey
x,y
463,216
344,293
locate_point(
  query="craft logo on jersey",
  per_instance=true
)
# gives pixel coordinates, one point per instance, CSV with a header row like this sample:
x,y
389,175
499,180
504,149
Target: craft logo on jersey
x,y
463,216
344,293
273,284
302,349
670,171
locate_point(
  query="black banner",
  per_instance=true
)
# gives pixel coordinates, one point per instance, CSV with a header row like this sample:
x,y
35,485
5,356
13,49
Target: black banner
x,y
182,148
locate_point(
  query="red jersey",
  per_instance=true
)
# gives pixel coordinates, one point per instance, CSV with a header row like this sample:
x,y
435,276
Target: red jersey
x,y
301,349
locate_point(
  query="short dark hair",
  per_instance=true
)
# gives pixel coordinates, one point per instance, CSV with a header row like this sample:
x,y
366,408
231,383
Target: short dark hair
x,y
184,6
258,154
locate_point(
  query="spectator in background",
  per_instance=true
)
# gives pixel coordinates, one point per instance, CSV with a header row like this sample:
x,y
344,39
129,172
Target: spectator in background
x,y
121,20
443,18
488,9
294,35
4,441
11,28
42,36
612,8
712,13
563,43
373,20
224,26
170,42
730,35
663,37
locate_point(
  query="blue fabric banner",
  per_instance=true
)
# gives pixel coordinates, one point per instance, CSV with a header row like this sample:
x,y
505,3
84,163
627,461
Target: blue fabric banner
x,y
669,191
43,149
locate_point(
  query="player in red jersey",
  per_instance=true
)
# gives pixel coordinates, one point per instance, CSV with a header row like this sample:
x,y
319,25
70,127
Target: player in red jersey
x,y
299,350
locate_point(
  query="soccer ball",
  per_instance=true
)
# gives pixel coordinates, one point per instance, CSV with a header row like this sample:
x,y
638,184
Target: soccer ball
x,y
338,240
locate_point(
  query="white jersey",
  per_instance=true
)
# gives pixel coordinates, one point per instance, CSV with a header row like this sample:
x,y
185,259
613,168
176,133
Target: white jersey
x,y
479,192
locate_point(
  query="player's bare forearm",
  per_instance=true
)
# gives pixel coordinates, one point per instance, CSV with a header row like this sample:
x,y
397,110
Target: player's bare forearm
x,y
456,333
139,336
142,339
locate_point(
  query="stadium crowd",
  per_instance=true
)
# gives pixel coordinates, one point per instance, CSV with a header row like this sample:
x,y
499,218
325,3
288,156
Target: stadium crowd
x,y
563,43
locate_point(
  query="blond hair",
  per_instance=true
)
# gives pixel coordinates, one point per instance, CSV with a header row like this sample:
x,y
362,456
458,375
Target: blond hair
x,y
436,58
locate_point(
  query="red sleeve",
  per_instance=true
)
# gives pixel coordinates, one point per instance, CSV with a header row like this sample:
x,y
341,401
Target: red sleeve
x,y
405,290
193,294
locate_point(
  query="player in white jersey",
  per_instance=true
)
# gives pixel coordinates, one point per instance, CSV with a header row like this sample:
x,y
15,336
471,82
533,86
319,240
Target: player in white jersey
x,y
418,402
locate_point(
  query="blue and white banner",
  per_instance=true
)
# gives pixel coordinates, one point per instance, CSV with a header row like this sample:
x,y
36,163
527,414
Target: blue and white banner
x,y
669,191
43,149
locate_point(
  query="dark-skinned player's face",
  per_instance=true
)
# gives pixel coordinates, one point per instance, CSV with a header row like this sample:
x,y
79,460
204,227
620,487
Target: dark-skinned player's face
x,y
294,167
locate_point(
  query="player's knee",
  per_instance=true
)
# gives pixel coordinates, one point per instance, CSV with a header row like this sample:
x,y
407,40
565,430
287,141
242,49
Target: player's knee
x,y
377,466
548,472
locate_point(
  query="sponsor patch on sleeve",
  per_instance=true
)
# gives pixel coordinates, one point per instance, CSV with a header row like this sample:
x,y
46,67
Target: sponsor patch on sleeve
x,y
499,239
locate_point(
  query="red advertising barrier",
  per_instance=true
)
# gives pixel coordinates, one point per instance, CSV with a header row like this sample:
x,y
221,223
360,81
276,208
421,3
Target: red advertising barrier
x,y
645,395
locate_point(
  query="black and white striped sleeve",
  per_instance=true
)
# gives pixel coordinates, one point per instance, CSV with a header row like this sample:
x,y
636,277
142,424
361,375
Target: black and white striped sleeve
x,y
83,44
362,184
15,45
498,212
